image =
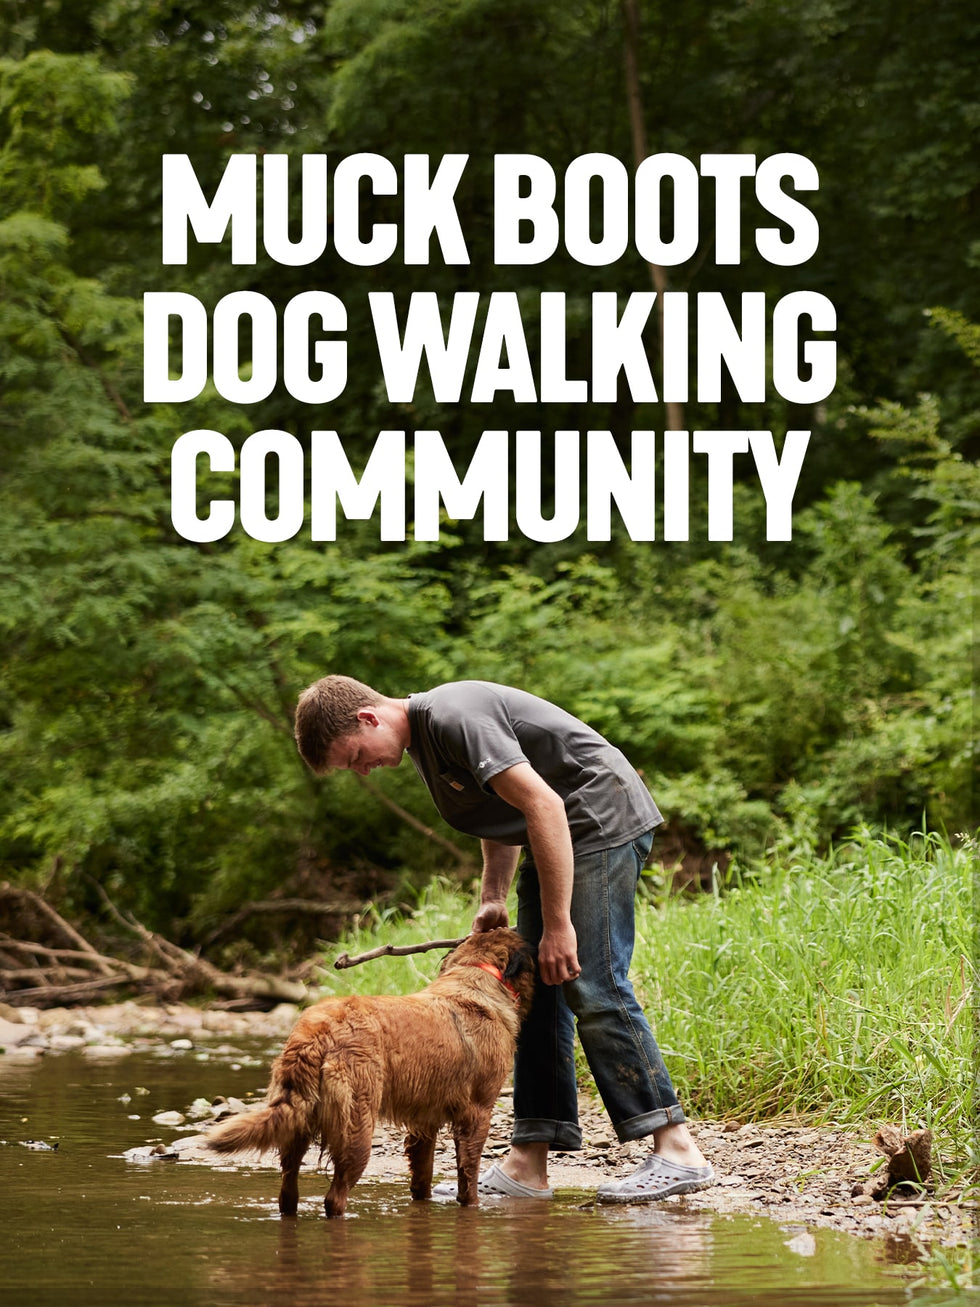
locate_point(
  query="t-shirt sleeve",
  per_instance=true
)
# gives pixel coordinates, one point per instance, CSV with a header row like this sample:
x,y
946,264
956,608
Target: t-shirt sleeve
x,y
479,735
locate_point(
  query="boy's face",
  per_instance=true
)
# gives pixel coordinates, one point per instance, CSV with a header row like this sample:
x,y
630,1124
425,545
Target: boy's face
x,y
376,743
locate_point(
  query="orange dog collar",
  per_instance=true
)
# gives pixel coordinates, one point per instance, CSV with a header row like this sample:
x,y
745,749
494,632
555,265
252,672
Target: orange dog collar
x,y
499,975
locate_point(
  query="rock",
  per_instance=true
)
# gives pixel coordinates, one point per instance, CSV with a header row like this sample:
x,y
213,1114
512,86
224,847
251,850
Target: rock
x,y
65,1043
169,1118
151,1153
286,1014
909,1159
15,1033
190,1144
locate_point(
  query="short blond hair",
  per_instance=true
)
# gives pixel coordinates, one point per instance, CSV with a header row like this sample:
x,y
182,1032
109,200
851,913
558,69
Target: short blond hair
x,y
326,712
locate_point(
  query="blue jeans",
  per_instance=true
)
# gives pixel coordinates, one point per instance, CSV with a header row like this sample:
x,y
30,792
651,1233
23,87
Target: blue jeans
x,y
620,1047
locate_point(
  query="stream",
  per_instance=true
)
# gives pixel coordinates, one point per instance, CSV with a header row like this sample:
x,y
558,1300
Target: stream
x,y
84,1225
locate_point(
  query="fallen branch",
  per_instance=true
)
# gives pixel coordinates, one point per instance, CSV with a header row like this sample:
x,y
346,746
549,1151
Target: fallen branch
x,y
172,982
190,967
172,957
55,919
62,995
57,954
59,973
43,973
395,951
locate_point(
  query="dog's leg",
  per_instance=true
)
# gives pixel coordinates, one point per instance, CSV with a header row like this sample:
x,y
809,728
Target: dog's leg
x,y
291,1158
350,1103
349,1160
420,1150
470,1134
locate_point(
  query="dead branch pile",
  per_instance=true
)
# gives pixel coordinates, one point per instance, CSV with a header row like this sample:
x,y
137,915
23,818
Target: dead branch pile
x,y
46,962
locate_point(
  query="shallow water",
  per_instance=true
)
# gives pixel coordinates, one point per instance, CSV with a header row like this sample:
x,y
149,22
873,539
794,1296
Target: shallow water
x,y
83,1225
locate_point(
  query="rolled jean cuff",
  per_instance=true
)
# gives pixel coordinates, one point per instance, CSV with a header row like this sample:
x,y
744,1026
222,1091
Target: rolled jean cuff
x,y
637,1127
561,1136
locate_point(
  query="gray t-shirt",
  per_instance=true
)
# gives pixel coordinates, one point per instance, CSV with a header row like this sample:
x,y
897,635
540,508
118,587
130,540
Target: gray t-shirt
x,y
465,732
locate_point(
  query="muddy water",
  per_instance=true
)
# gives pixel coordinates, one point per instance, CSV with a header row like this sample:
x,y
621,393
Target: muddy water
x,y
82,1225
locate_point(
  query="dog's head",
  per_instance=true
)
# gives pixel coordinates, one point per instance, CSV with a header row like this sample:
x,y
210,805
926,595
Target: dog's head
x,y
504,949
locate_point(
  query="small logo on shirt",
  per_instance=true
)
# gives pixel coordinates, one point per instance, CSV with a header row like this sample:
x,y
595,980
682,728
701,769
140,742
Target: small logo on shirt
x,y
485,763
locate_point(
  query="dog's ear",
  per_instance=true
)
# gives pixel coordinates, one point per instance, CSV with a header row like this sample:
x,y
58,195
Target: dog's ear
x,y
523,959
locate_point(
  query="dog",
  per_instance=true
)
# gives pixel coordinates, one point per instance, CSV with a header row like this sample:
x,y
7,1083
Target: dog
x,y
418,1062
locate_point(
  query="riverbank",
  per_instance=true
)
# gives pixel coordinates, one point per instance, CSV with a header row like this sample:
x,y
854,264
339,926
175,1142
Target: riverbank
x,y
796,1173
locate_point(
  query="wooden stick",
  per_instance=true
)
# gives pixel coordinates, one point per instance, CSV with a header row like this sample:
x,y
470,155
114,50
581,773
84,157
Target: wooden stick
x,y
395,950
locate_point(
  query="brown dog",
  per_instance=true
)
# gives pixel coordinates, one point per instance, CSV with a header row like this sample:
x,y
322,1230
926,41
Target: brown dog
x,y
419,1062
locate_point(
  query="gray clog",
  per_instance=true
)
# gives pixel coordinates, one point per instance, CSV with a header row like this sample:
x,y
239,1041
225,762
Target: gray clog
x,y
653,1179
494,1183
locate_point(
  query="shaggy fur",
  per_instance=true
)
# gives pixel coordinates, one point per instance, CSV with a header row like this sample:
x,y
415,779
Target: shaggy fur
x,y
417,1062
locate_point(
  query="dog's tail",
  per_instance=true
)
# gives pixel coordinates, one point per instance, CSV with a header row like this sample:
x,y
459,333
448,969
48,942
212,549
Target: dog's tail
x,y
288,1118
274,1126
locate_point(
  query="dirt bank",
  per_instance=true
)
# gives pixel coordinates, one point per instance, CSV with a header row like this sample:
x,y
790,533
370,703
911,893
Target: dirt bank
x,y
791,1172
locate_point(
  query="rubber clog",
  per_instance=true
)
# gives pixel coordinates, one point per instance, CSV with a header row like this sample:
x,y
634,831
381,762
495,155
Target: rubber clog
x,y
494,1183
656,1178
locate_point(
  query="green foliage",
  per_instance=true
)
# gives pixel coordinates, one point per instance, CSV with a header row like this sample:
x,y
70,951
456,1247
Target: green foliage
x,y
49,105
765,691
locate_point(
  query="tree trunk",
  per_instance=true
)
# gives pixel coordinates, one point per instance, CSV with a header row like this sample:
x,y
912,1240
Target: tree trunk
x,y
673,412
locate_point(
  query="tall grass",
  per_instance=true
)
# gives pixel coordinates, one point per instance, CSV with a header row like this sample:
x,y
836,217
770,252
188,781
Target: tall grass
x,y
836,988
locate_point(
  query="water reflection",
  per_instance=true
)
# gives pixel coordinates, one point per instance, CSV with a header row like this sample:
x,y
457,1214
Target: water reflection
x,y
508,1254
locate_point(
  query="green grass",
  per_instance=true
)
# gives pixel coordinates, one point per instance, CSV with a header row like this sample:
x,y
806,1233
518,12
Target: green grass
x,y
840,988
